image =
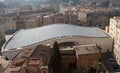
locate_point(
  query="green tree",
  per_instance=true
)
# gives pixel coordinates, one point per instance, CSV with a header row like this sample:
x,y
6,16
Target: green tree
x,y
55,62
100,68
86,70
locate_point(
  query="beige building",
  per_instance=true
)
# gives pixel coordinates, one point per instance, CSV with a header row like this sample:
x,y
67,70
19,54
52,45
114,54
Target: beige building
x,y
2,30
32,23
114,30
9,25
80,56
87,55
66,8
2,35
99,18
55,18
47,20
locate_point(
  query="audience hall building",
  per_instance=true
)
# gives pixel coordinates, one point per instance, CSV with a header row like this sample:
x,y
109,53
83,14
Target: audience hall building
x,y
79,47
62,33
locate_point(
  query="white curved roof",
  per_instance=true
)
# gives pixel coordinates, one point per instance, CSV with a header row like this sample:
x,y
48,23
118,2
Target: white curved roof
x,y
27,37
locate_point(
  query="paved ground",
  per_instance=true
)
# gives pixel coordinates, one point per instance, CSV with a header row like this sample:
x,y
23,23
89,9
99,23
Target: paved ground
x,y
7,69
3,64
108,63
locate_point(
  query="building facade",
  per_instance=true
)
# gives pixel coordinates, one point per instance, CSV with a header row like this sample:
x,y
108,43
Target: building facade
x,y
80,56
2,35
32,23
47,20
99,18
67,18
9,25
114,30
87,55
20,23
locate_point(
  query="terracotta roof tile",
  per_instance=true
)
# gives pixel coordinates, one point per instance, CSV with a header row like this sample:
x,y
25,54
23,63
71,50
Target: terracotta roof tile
x,y
34,61
18,60
14,69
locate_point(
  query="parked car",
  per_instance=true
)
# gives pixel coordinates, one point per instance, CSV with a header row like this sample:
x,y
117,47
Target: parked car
x,y
112,60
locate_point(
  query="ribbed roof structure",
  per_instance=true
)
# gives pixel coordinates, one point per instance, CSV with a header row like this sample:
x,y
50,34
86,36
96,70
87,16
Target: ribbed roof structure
x,y
27,37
